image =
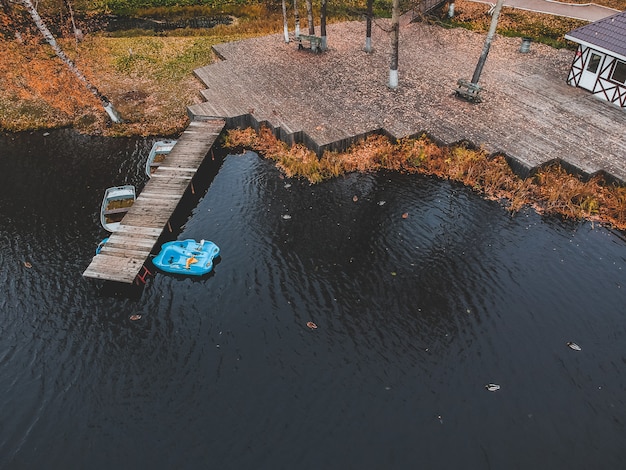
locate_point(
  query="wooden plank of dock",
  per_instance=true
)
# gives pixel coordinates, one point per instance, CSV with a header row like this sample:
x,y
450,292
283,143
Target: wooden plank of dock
x,y
123,256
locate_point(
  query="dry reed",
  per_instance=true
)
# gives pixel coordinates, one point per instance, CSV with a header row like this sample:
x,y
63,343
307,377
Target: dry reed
x,y
552,190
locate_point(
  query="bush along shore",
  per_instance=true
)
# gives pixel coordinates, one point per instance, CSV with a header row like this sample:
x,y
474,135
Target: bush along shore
x,y
551,190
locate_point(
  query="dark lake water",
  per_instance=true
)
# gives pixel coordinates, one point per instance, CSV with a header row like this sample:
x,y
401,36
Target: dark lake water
x,y
415,317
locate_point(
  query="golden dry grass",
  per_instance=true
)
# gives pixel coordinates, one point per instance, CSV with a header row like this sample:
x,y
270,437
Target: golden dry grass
x,y
552,190
149,79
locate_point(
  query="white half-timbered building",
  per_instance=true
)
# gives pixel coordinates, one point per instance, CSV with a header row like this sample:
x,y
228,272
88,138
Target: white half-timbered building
x,y
600,62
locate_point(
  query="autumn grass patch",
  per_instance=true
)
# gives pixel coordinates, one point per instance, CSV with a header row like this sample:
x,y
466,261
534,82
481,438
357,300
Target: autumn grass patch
x,y
38,91
150,79
552,190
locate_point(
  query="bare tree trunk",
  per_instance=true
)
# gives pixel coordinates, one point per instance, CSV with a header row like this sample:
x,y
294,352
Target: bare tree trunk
x,y
297,17
285,26
108,107
78,34
490,34
395,39
451,10
309,12
323,25
368,26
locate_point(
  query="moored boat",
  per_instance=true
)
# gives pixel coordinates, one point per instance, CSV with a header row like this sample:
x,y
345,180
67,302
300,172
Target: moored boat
x,y
157,154
115,204
188,257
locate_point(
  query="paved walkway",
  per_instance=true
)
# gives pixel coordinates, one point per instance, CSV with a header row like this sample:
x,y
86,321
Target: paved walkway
x,y
328,100
587,12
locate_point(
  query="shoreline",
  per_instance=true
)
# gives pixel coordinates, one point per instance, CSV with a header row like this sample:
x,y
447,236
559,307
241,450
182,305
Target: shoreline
x,y
551,191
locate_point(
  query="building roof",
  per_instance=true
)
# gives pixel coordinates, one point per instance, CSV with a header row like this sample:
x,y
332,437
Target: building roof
x,y
608,34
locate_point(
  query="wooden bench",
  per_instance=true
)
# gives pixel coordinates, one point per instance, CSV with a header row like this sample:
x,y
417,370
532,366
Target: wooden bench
x,y
468,90
315,42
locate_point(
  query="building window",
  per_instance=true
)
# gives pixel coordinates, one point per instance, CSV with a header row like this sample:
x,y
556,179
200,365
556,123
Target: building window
x,y
619,72
594,63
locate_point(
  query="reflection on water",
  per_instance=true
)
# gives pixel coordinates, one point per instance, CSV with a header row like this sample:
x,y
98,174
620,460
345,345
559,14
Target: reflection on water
x,y
415,316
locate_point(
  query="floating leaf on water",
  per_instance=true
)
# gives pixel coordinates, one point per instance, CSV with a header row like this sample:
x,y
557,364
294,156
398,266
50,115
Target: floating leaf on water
x,y
492,387
405,215
311,325
574,346
27,264
135,317
286,216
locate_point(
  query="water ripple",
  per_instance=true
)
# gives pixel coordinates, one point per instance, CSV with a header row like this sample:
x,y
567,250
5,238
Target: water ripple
x,y
421,291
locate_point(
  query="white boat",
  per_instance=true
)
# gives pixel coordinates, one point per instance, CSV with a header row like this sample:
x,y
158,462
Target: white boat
x,y
115,204
157,154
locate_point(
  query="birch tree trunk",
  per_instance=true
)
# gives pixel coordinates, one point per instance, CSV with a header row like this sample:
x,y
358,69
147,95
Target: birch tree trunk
x,y
323,25
78,34
487,45
395,38
297,17
309,12
108,107
368,26
451,10
285,26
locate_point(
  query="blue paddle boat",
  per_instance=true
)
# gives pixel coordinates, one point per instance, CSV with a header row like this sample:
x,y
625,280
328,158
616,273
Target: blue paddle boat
x,y
188,257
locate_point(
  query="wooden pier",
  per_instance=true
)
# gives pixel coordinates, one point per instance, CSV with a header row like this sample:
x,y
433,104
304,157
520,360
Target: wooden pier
x,y
124,255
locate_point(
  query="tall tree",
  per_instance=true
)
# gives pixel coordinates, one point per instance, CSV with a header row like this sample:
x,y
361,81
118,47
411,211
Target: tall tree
x,y
108,107
323,25
395,39
78,34
285,25
297,17
487,45
451,10
309,12
368,26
